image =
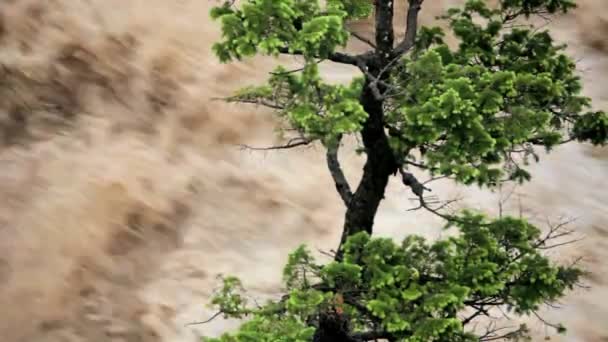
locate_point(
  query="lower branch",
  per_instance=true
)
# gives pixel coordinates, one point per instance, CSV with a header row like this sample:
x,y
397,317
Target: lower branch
x,y
291,143
492,333
336,172
207,320
411,181
337,57
418,189
257,101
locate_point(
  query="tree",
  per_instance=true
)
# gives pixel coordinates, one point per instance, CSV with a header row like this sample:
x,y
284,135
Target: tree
x,y
473,113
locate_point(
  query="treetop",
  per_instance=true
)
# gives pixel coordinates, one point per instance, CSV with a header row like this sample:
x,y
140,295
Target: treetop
x,y
473,113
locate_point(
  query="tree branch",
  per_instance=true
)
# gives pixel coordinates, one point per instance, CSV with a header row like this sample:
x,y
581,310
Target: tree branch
x,y
362,39
411,181
293,71
207,320
547,323
539,141
376,81
418,189
411,28
385,35
256,101
472,317
291,143
373,81
556,232
336,172
337,57
491,333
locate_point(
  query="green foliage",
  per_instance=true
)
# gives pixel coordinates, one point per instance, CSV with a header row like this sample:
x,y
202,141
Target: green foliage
x,y
529,7
471,110
592,127
355,9
228,300
501,91
266,26
319,110
415,290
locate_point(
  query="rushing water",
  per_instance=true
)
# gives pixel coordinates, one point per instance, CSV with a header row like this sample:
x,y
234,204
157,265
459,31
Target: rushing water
x,y
123,192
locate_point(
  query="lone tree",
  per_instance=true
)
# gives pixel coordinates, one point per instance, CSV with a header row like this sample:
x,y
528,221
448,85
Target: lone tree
x,y
473,113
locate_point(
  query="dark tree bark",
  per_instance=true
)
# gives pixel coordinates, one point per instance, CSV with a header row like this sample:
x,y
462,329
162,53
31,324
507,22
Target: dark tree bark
x,y
380,165
381,162
333,328
385,35
362,204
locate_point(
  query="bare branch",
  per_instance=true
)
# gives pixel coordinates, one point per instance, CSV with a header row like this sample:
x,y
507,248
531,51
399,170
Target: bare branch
x,y
491,333
291,143
418,165
336,172
411,29
331,253
555,232
337,57
260,102
362,39
293,71
539,141
418,188
436,211
504,199
504,314
447,203
552,305
569,242
378,80
481,310
473,316
545,322
206,321
411,181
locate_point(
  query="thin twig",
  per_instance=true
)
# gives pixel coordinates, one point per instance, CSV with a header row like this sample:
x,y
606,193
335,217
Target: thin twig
x,y
552,325
331,253
293,71
205,321
294,142
362,39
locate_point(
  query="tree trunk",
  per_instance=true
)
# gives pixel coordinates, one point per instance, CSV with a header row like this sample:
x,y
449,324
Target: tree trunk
x,y
379,166
332,328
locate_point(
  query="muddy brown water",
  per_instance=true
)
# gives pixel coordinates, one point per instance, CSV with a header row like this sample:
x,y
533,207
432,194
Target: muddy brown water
x,y
123,194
